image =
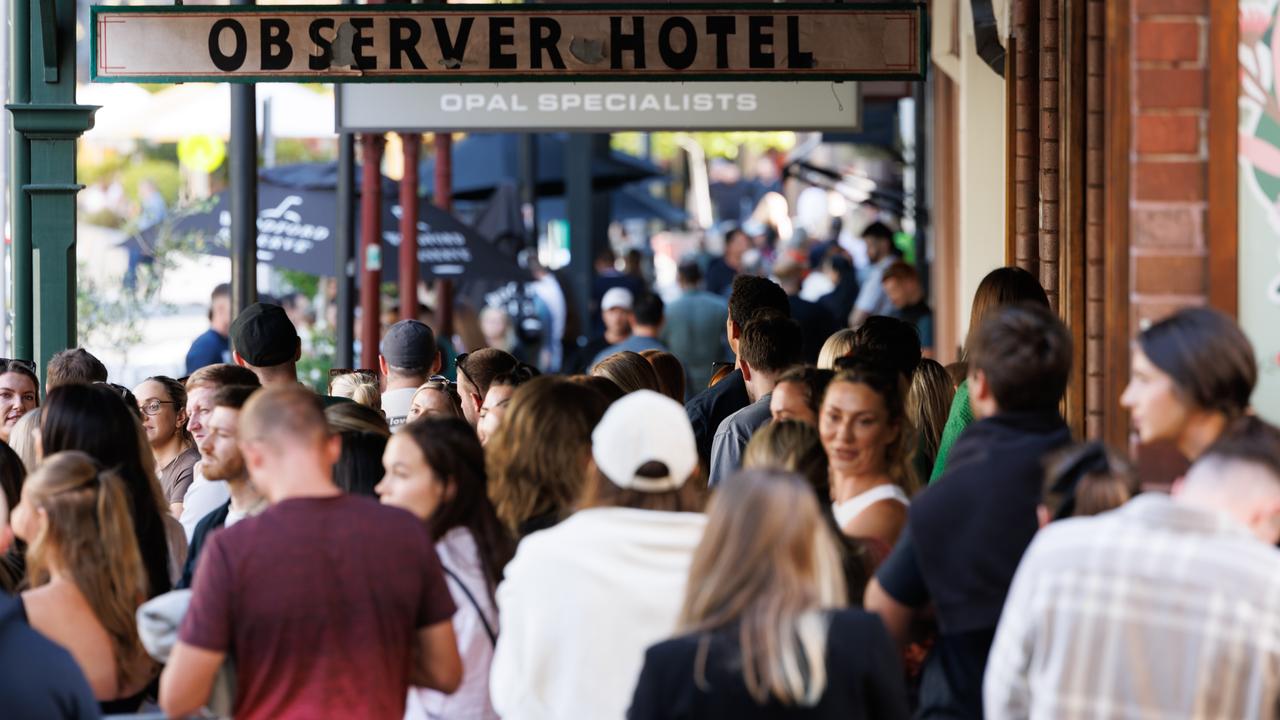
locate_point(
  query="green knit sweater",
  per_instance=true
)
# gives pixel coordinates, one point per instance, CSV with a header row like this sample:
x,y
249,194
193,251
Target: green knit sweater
x,y
958,419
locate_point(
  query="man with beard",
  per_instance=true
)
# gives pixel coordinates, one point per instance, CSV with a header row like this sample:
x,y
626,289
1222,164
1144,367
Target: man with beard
x,y
224,463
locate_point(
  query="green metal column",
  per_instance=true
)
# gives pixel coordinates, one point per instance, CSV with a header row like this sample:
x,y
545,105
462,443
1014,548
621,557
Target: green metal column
x,y
19,167
47,122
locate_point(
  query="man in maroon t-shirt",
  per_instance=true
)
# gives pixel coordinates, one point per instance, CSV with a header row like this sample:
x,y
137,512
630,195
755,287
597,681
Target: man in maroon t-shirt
x,y
330,605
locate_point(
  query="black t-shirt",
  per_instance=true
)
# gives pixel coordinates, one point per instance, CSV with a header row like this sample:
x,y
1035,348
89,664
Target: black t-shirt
x,y
864,677
40,679
951,679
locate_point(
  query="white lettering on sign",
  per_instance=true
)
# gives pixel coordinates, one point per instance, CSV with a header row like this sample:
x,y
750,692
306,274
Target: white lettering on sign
x,y
587,106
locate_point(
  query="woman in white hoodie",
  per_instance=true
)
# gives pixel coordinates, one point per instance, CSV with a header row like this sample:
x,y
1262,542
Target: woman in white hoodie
x,y
581,601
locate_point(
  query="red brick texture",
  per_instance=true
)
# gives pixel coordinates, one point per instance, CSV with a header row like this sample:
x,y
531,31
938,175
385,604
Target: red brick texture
x,y
1168,197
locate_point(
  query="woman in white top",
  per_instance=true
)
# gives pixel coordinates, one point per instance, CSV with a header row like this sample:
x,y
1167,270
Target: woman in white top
x,y
583,599
435,470
864,430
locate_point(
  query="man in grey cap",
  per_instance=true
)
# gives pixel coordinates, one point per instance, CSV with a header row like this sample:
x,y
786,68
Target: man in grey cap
x,y
409,356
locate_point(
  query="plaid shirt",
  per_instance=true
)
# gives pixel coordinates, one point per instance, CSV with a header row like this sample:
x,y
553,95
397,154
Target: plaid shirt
x,y
1155,610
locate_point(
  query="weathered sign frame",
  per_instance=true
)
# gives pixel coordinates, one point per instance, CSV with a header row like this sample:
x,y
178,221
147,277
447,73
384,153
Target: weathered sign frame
x,y
915,10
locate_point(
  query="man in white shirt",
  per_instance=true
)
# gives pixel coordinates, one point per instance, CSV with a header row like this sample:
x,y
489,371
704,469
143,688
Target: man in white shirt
x,y
409,356
204,496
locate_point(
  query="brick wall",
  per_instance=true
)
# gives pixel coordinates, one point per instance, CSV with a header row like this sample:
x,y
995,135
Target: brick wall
x,y
1169,176
1168,189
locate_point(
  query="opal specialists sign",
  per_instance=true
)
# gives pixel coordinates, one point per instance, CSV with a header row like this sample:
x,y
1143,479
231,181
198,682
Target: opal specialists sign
x,y
591,106
443,43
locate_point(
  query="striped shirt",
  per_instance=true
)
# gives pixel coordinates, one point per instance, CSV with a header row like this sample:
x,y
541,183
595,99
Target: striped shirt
x,y
1154,610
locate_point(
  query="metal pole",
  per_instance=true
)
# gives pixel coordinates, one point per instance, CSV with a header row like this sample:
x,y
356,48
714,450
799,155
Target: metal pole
x,y
243,171
23,305
51,123
371,248
412,143
577,171
346,248
4,182
922,95
529,188
444,201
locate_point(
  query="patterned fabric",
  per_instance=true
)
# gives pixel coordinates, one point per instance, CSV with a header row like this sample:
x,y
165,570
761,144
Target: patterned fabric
x,y
1155,610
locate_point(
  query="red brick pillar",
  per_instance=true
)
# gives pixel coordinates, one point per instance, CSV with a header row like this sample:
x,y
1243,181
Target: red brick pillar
x,y
1169,177
1170,170
1026,213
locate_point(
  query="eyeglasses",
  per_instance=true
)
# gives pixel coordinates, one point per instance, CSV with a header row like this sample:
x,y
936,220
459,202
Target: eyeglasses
x,y
25,364
153,407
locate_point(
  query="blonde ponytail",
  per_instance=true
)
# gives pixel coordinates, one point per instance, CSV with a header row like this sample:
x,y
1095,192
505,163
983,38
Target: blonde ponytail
x,y
90,537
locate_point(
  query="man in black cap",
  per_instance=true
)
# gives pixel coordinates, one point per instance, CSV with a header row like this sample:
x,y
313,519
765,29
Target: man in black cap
x,y
409,356
264,340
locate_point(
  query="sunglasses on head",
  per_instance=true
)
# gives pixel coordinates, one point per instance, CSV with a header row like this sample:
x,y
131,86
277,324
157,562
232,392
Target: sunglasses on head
x,y
335,372
27,364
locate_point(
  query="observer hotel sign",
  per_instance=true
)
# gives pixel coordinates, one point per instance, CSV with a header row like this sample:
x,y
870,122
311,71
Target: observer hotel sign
x,y
506,43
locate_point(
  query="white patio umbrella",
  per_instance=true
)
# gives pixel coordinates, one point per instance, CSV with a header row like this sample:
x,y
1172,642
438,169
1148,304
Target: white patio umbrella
x,y
203,109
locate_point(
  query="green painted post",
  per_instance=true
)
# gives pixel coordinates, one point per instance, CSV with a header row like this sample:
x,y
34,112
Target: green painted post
x,y
20,167
49,122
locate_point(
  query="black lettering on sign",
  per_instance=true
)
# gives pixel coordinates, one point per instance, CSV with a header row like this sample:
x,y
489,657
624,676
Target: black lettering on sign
x,y
405,34
632,42
544,37
796,58
722,26
273,41
758,39
684,58
362,41
453,49
228,62
325,58
498,39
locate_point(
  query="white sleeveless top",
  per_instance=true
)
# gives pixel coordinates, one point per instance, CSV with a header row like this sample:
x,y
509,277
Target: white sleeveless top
x,y
846,511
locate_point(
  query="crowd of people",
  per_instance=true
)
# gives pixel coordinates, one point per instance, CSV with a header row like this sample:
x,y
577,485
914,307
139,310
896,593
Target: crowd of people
x,y
832,525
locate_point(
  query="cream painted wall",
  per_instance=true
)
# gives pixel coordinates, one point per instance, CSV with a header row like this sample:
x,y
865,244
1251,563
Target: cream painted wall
x,y
981,169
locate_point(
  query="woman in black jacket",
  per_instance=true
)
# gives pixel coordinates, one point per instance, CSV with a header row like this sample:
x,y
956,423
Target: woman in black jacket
x,y
764,635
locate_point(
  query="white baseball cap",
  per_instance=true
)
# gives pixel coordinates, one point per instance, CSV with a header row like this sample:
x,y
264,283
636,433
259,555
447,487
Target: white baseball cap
x,y
616,297
645,427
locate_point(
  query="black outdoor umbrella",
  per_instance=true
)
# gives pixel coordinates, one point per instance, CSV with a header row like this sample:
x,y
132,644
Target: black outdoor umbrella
x,y
481,162
630,202
296,225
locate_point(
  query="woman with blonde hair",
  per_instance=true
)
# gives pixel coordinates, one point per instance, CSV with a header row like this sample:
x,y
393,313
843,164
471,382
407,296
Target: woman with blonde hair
x,y
358,387
438,396
794,446
22,438
928,405
629,371
86,574
839,345
763,632
537,459
866,434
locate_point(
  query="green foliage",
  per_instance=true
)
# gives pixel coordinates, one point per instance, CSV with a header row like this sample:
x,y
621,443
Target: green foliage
x,y
110,315
162,173
298,281
714,144
294,150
